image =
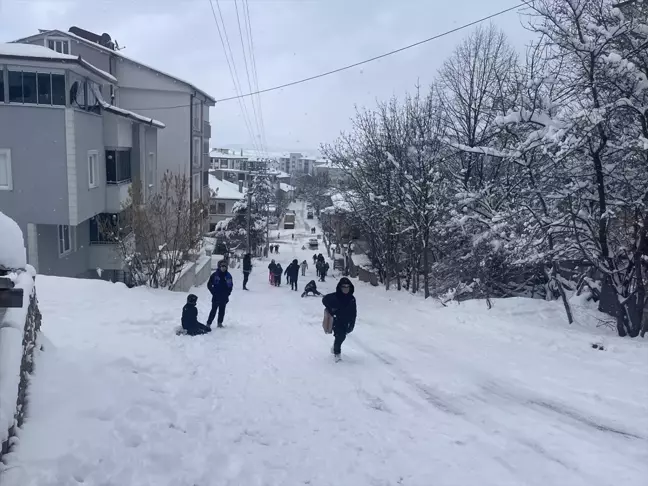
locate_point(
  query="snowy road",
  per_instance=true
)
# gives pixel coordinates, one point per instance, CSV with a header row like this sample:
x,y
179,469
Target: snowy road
x,y
424,396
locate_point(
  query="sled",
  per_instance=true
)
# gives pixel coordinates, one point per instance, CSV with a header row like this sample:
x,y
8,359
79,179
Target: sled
x,y
327,323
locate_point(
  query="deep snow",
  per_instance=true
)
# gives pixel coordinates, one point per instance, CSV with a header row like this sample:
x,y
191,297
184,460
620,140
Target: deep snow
x,y
425,395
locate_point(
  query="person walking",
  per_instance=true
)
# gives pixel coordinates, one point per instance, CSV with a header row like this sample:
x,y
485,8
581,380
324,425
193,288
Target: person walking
x,y
190,318
271,248
278,271
314,259
247,268
304,267
293,236
293,274
341,304
324,268
276,248
271,271
220,285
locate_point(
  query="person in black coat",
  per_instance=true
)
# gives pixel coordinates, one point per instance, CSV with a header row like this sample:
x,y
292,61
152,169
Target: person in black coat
x,y
314,259
220,285
278,271
342,306
293,274
311,287
271,269
324,268
190,318
247,268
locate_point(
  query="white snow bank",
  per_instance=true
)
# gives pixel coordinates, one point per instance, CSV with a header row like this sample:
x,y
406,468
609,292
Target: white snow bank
x,y
12,244
12,329
224,189
32,50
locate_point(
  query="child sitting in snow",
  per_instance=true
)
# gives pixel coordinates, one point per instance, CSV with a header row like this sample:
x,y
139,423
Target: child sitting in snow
x,y
311,287
190,318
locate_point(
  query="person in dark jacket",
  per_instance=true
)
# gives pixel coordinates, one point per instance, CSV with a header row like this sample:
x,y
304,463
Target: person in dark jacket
x,y
220,285
342,306
190,318
278,271
271,269
314,259
324,268
293,274
311,287
247,268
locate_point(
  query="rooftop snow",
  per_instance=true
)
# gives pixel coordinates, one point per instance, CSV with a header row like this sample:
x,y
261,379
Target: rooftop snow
x,y
117,53
15,49
125,113
286,187
224,189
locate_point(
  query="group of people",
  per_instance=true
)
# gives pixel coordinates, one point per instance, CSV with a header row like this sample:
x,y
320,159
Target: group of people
x,y
339,305
275,248
322,267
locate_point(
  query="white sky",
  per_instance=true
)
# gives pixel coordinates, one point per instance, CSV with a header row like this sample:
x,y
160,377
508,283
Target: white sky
x,y
293,39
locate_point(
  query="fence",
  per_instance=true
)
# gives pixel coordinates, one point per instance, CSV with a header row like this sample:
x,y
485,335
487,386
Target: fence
x,y
19,329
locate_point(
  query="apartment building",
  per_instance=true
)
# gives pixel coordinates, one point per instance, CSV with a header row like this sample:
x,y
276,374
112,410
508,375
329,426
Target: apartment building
x,y
181,106
297,163
68,157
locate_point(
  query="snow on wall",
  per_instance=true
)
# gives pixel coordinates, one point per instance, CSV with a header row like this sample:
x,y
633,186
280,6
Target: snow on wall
x,y
12,331
12,244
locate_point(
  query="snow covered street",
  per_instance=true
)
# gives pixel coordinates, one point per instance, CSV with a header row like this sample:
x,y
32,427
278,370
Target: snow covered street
x,y
425,395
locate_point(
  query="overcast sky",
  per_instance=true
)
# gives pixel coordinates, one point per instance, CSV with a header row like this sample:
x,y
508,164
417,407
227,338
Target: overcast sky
x,y
293,39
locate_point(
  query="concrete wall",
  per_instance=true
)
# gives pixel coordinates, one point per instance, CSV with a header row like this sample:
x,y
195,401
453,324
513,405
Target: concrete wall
x,y
174,140
36,137
89,136
194,274
71,265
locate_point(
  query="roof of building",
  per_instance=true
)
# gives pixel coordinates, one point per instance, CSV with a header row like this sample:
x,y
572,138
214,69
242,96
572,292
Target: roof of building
x,y
42,53
220,155
286,187
224,189
118,54
125,113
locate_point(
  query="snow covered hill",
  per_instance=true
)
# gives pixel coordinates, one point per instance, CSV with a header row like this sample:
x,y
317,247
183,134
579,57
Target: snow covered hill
x,y
424,395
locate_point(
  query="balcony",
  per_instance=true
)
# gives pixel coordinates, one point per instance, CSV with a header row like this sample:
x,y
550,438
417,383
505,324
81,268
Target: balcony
x,y
105,255
117,196
206,130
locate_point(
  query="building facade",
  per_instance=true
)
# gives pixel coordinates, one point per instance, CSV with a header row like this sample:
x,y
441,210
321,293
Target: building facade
x,y
183,108
68,158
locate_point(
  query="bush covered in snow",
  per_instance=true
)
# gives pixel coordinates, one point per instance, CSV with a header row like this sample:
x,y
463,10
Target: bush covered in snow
x,y
12,244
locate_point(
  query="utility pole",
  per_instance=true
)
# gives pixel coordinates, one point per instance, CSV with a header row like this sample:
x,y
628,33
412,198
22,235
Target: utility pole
x,y
249,209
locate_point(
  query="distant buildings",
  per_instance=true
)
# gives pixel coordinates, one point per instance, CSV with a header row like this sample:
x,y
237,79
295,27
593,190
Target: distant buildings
x,y
297,164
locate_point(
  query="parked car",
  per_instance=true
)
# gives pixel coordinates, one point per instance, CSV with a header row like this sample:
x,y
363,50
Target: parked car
x,y
313,243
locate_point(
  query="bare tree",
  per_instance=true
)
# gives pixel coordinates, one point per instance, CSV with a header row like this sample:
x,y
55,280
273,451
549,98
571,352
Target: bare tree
x,y
158,235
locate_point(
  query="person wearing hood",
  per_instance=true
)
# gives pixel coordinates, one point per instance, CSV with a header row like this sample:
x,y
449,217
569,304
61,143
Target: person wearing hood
x,y
311,287
271,270
278,271
190,318
341,304
220,285
293,274
247,268
304,267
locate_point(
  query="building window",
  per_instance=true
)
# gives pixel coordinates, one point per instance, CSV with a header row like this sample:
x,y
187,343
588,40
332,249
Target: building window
x,y
118,166
6,180
106,228
196,151
36,88
196,116
196,186
59,45
64,239
221,209
93,163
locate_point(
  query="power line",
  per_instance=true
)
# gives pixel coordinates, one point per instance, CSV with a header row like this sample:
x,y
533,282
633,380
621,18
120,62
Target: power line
x,y
366,61
232,69
248,29
247,72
